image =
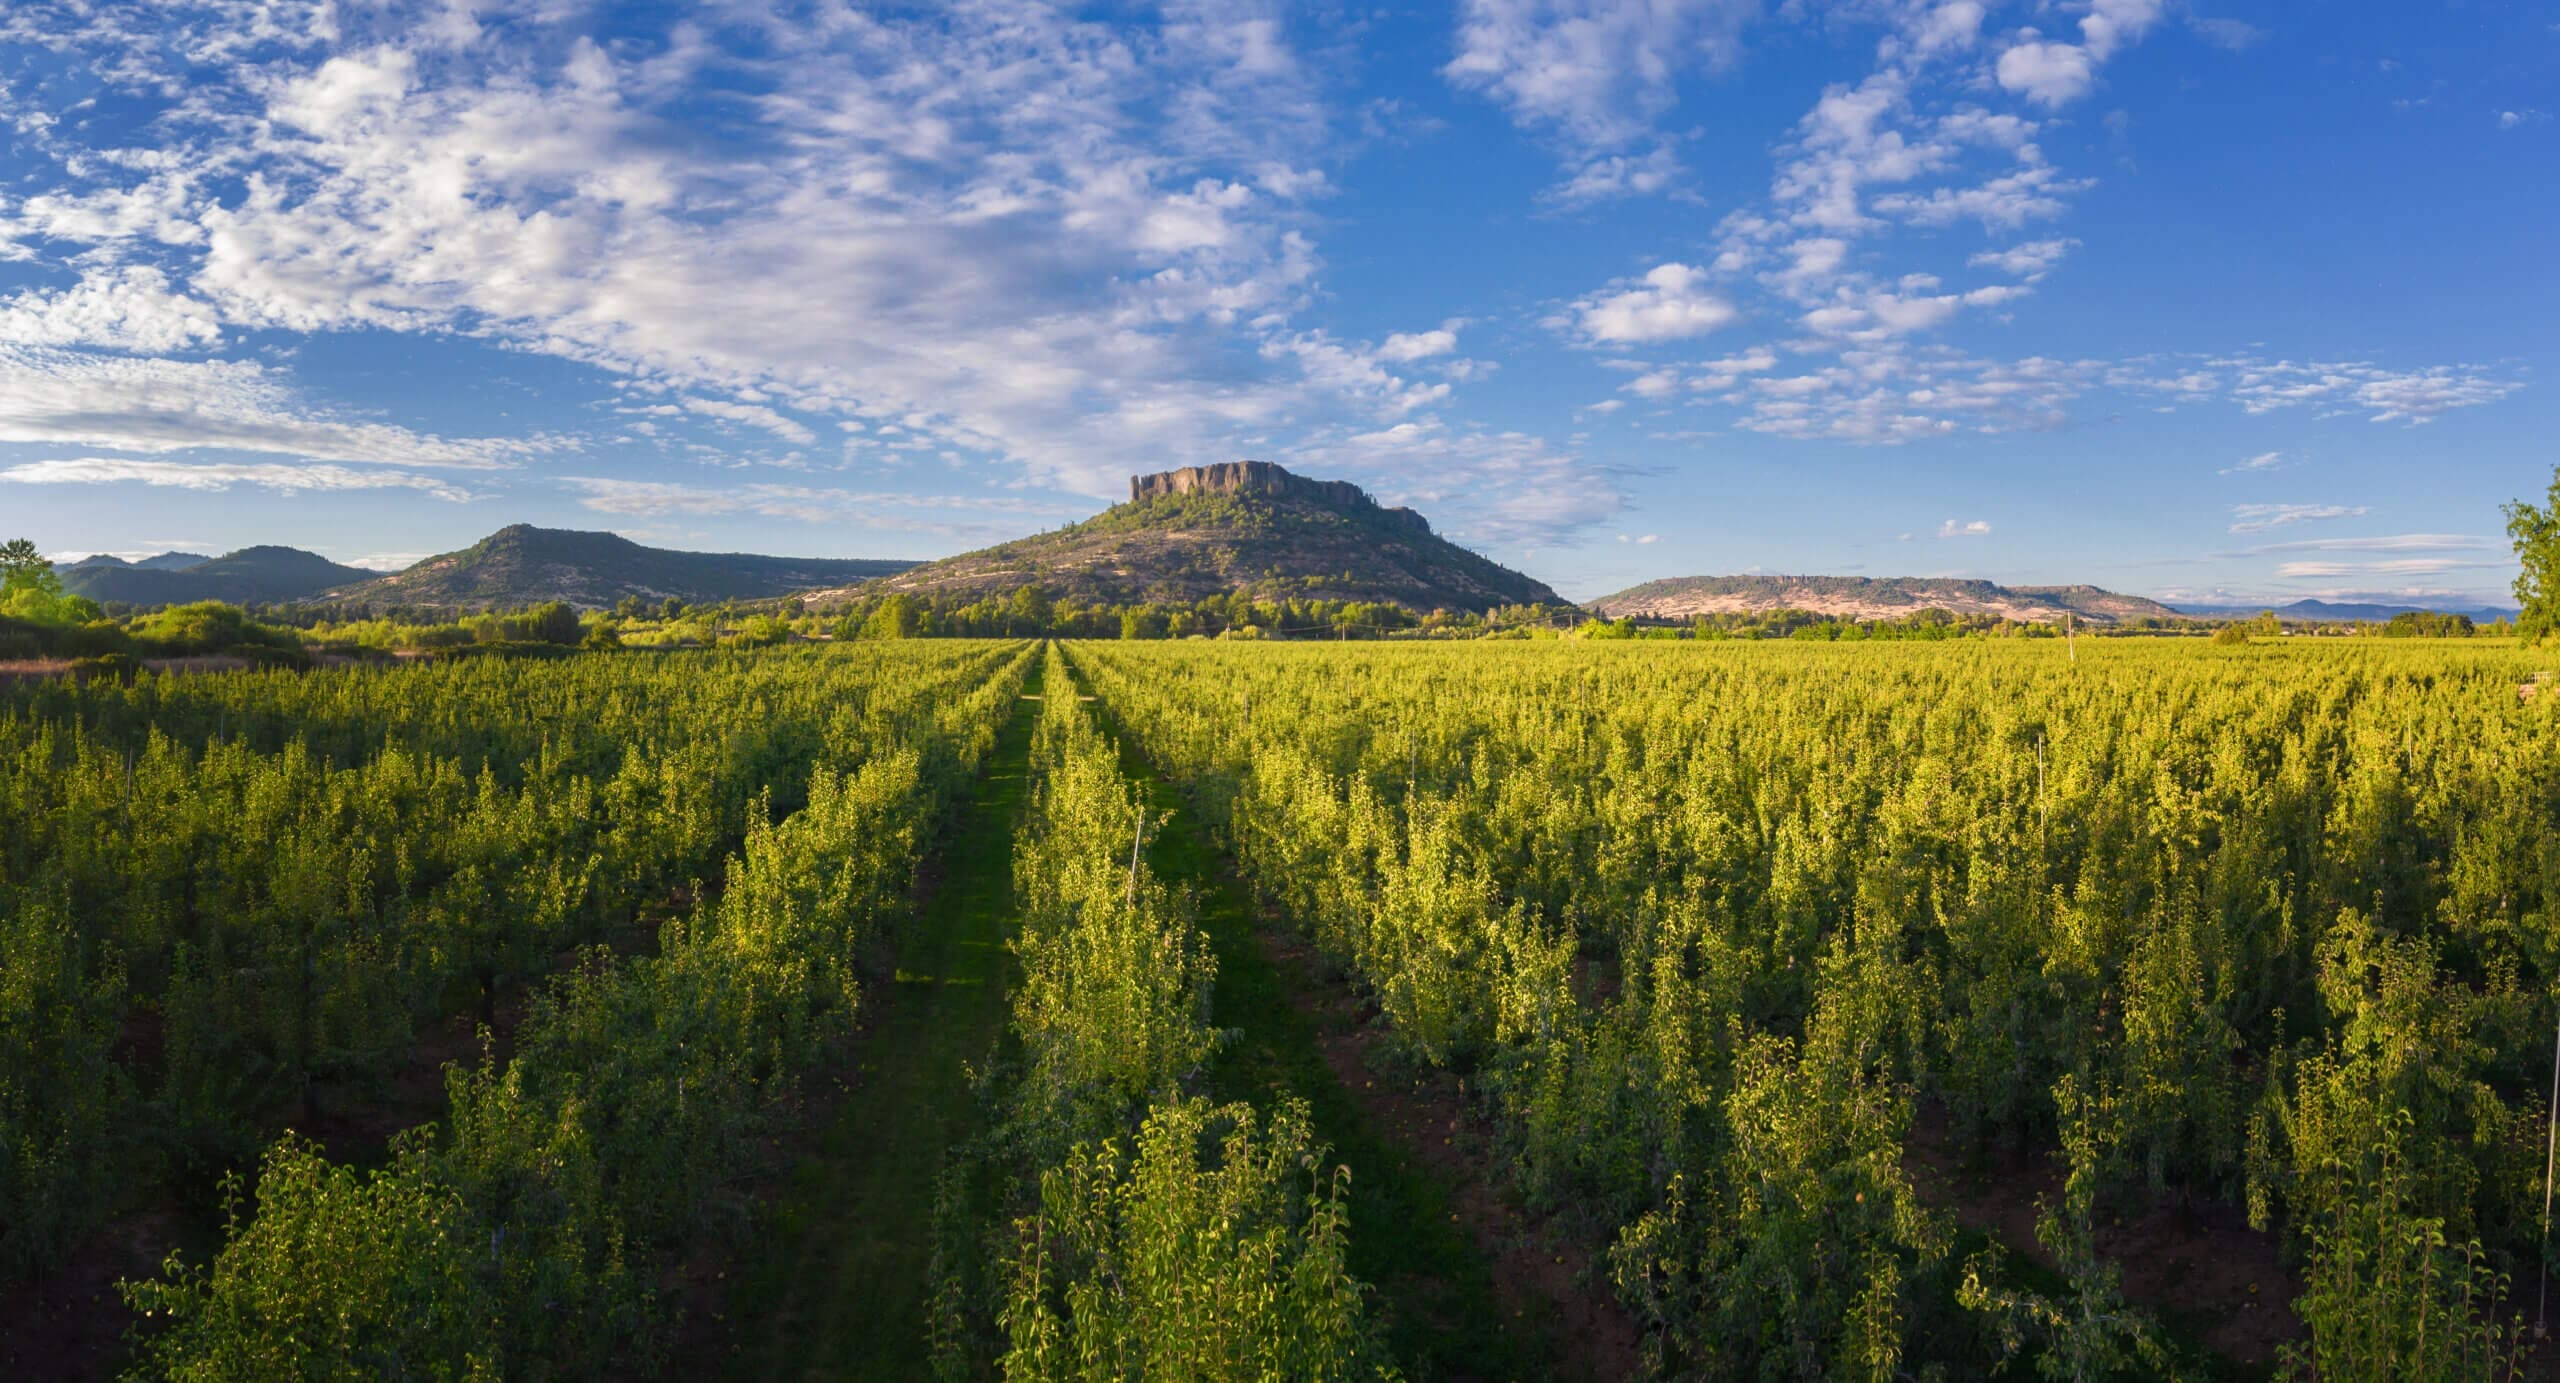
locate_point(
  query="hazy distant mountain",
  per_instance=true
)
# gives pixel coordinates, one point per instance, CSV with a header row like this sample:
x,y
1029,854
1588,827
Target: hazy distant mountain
x,y
174,578
1871,597
2349,611
166,561
523,565
1240,526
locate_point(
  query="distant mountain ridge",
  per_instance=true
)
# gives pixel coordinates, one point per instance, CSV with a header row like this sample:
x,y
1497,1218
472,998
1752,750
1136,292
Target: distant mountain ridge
x,y
1873,597
251,575
2370,612
1247,527
166,561
523,565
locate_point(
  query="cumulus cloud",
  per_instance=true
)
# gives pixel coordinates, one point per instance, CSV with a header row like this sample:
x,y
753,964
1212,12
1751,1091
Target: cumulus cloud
x,y
1028,234
1405,347
1594,73
1975,528
2050,74
2258,518
214,476
2055,74
1669,302
127,308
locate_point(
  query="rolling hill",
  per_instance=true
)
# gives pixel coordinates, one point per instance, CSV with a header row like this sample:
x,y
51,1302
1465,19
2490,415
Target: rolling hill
x,y
253,574
1243,526
523,565
1869,597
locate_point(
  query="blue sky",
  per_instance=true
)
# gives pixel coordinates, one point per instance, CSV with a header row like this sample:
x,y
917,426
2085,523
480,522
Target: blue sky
x,y
2190,299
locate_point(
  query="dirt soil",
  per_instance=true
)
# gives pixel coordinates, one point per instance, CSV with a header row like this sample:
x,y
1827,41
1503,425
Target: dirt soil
x,y
2198,1266
1540,1263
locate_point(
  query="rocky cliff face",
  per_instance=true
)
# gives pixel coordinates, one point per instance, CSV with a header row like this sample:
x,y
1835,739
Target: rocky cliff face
x,y
1264,478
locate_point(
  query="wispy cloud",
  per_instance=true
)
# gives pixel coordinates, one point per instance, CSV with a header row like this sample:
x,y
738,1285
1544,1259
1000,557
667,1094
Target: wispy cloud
x,y
2403,566
212,476
871,509
2392,542
1030,235
1974,528
2263,461
1595,76
159,406
2259,518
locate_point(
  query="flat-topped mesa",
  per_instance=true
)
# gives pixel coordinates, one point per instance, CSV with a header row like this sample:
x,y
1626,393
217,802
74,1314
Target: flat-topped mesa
x,y
1264,478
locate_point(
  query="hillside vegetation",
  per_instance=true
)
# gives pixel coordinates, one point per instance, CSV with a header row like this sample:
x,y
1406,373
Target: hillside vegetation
x,y
1869,598
1247,528
523,565
252,574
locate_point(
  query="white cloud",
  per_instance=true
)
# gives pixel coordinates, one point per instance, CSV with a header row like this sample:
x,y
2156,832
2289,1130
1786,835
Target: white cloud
x,y
2258,518
129,308
754,415
2030,261
2513,119
1596,73
870,509
2007,202
2399,566
2050,74
2392,542
1670,302
1353,372
2263,461
1405,347
159,406
1031,234
2054,74
2229,35
387,561
1508,489
214,476
1954,25
1607,177
1974,529
2385,395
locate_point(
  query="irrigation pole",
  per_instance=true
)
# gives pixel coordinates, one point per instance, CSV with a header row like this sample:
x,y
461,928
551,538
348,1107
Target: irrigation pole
x,y
2550,1146
1133,853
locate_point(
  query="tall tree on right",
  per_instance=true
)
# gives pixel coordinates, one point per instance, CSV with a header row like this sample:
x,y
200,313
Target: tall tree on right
x,y
2536,530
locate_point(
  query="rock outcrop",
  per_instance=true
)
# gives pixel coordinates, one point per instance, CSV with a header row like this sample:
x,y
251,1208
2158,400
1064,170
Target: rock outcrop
x,y
1265,478
1241,528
